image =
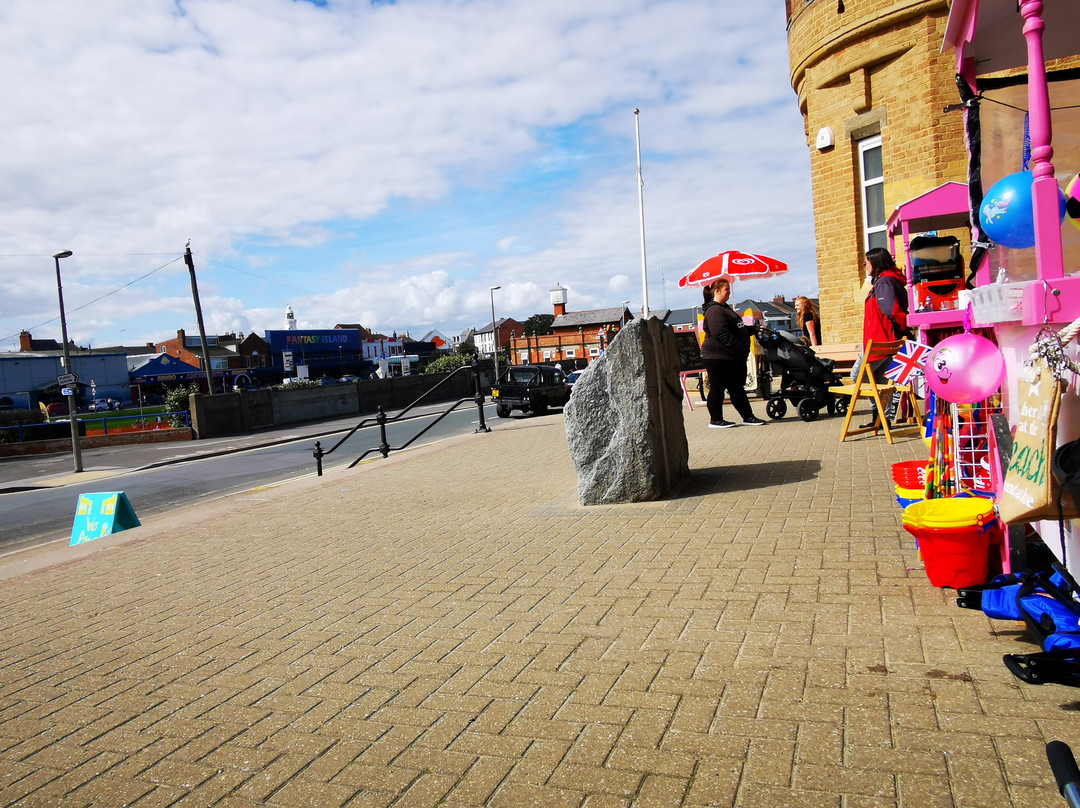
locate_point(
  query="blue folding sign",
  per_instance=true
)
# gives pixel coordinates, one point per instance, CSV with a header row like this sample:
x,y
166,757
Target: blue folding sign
x,y
102,514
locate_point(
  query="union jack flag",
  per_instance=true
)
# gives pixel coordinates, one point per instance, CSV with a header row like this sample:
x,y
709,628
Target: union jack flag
x,y
910,359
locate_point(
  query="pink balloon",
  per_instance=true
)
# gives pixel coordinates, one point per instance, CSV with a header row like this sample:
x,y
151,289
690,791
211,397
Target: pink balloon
x,y
965,368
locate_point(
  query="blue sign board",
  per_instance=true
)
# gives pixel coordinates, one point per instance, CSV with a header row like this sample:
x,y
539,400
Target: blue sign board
x,y
317,341
101,515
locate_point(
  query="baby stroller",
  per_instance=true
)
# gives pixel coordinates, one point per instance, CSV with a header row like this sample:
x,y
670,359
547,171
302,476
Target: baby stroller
x,y
804,378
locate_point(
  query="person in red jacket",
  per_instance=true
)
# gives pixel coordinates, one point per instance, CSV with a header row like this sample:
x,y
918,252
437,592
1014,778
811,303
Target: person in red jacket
x,y
885,311
886,308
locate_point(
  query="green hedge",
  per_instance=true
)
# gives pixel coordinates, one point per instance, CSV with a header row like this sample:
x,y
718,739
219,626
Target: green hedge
x,y
19,417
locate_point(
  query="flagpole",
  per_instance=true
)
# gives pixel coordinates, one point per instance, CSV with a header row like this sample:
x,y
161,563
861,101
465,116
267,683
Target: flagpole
x,y
641,209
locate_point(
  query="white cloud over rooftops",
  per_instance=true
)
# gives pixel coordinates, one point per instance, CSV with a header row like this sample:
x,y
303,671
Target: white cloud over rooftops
x,y
385,163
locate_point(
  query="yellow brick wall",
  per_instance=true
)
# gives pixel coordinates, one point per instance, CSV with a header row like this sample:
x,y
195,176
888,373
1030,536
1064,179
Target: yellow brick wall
x,y
875,66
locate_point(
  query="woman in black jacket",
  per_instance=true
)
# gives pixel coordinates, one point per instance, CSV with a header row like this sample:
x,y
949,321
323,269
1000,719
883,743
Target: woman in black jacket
x,y
725,350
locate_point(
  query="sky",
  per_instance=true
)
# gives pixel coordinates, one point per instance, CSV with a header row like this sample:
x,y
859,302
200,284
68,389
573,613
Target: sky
x,y
387,163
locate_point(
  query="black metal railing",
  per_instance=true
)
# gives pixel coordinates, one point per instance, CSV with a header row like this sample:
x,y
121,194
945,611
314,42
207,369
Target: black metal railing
x,y
382,419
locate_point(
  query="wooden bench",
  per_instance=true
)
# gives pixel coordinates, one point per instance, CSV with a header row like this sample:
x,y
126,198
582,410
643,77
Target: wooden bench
x,y
844,354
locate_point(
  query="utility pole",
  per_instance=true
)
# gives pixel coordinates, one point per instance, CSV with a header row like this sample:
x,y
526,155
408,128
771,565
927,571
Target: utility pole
x,y
198,316
73,408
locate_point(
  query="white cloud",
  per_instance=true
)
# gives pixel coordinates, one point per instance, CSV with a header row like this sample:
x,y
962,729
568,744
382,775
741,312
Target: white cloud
x,y
386,164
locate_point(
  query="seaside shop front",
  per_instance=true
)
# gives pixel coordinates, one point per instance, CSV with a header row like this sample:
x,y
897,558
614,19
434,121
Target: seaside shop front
x,y
983,260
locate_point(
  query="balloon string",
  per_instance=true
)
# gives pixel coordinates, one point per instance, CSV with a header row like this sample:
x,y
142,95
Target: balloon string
x,y
1027,140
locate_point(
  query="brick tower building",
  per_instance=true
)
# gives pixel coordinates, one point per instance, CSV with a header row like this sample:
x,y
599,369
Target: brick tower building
x,y
872,87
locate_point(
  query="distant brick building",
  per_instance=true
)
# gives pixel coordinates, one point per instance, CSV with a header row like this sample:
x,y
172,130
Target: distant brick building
x,y
872,87
228,352
576,337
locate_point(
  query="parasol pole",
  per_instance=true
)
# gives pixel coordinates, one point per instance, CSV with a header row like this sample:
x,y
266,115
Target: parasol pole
x,y
641,210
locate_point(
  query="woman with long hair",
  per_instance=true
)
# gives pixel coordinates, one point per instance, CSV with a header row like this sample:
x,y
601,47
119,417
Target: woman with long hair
x,y
884,311
806,314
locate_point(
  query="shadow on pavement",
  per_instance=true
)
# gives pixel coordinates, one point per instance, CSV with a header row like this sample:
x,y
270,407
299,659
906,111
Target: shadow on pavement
x,y
747,477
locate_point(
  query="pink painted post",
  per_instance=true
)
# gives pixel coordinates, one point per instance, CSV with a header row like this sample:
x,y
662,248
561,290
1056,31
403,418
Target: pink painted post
x,y
1049,258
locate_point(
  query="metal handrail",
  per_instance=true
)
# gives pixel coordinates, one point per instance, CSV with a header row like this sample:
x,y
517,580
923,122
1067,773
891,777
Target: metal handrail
x,y
382,420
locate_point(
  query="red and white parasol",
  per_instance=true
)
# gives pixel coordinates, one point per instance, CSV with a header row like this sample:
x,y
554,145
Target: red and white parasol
x,y
733,264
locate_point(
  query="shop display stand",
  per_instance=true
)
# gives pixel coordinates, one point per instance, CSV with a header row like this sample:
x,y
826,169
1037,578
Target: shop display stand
x,y
971,437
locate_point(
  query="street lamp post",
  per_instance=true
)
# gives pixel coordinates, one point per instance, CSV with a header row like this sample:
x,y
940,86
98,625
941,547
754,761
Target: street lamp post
x,y
494,331
76,449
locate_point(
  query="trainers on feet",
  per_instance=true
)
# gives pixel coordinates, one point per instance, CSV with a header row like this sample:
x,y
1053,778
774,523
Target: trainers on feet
x,y
721,425
753,421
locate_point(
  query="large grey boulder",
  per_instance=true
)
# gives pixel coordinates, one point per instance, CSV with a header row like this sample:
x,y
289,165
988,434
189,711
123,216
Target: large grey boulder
x,y
624,422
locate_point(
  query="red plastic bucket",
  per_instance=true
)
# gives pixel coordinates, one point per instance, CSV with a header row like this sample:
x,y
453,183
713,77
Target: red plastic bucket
x,y
910,474
954,557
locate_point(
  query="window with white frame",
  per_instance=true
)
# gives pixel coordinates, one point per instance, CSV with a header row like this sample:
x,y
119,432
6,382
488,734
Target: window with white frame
x,y
594,351
547,356
571,353
523,358
872,180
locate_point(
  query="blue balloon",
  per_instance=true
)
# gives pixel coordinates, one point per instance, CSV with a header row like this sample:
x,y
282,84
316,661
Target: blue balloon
x,y
1006,212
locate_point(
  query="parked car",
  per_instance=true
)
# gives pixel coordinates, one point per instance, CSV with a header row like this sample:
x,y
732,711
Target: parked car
x,y
348,378
531,388
326,381
573,377
56,409
99,405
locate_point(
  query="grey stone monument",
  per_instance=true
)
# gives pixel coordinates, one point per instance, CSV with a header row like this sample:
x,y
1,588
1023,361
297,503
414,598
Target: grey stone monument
x,y
624,422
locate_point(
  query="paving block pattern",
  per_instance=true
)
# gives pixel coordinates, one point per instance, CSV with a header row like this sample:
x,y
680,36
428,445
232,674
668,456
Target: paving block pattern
x,y
448,627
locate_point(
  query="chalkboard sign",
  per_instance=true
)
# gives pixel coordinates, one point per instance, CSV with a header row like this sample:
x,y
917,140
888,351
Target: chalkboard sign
x,y
689,351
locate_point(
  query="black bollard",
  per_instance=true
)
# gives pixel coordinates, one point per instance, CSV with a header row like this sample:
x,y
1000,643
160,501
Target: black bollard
x,y
384,447
479,399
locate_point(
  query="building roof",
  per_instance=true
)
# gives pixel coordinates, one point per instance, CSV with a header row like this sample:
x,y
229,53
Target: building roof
x,y
486,329
45,345
581,319
682,316
149,367
768,310
437,337
130,350
364,333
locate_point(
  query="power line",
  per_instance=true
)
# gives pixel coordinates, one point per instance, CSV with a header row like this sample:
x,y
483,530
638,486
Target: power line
x,y
253,275
89,255
129,283
142,278
101,297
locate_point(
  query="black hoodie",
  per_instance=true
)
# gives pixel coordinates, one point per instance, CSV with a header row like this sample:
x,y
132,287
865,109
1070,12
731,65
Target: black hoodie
x,y
726,336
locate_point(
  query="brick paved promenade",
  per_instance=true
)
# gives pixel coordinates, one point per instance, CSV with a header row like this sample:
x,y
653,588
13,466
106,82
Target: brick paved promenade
x,y
449,627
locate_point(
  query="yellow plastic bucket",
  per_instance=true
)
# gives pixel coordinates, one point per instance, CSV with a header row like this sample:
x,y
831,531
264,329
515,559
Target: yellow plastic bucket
x,y
909,496
949,512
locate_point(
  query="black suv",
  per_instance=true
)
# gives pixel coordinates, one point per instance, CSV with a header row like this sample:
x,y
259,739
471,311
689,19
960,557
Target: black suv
x,y
532,388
